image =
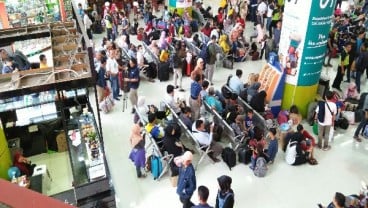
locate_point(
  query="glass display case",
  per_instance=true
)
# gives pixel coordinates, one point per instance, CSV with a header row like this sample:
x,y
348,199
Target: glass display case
x,y
85,150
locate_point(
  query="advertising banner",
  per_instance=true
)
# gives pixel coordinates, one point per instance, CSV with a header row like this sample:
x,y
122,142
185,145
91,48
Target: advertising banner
x,y
314,50
180,3
304,37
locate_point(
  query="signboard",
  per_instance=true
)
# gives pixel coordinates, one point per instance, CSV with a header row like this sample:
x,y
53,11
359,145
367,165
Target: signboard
x,y
272,81
304,38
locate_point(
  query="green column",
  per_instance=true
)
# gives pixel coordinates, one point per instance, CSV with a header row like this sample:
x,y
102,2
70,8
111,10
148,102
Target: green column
x,y
5,160
304,35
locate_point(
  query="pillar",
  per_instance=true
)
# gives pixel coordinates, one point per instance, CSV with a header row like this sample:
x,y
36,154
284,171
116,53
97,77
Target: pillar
x,y
302,48
5,160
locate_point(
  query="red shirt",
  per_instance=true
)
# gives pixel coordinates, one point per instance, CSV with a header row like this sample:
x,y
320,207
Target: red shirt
x,y
241,21
206,31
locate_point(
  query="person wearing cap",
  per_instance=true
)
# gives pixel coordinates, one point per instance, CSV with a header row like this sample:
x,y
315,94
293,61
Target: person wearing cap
x,y
225,195
187,180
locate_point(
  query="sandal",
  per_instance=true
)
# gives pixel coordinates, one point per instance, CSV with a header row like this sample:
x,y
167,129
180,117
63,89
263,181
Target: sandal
x,y
313,161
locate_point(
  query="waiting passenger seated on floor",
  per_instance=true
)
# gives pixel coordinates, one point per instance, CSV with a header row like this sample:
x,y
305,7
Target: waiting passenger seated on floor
x,y
205,139
294,154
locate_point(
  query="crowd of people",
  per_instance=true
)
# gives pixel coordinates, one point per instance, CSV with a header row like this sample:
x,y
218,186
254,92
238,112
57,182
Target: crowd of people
x,y
169,29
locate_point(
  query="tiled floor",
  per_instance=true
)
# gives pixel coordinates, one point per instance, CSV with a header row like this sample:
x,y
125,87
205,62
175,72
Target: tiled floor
x,y
340,169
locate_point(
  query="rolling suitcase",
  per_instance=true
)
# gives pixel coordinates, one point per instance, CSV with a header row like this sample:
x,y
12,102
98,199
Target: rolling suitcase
x,y
164,71
156,166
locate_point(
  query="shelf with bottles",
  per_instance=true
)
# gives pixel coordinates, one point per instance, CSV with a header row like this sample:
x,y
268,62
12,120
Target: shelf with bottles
x,y
36,99
25,12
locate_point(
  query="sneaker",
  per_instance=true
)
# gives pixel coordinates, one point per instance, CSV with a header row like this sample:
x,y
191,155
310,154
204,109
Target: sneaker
x,y
133,111
176,87
348,81
329,65
182,90
357,138
326,148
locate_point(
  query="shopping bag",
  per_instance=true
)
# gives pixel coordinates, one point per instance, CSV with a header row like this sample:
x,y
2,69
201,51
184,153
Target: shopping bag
x,y
315,127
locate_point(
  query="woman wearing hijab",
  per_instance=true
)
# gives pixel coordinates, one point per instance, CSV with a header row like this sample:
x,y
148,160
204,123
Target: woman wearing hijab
x,y
23,164
258,102
138,153
225,195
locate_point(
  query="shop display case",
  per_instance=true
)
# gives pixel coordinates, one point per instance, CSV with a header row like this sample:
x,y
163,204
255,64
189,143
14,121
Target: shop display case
x,y
38,104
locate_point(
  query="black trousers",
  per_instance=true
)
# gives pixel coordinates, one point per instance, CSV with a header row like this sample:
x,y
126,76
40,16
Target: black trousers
x,y
186,202
338,79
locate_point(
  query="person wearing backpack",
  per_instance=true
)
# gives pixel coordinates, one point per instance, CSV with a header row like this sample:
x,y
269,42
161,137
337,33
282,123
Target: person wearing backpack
x,y
225,195
187,180
326,113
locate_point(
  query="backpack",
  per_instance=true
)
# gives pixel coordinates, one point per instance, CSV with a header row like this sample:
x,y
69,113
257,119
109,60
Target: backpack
x,y
311,112
155,132
343,123
156,166
260,169
221,201
205,53
282,117
229,157
291,152
321,111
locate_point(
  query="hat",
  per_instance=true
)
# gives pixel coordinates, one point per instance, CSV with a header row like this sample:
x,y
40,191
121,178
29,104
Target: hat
x,y
187,156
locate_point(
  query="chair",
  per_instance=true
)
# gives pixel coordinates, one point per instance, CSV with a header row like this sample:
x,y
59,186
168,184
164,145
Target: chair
x,y
202,150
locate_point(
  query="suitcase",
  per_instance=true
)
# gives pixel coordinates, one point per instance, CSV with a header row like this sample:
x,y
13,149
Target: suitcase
x,y
156,166
244,155
164,71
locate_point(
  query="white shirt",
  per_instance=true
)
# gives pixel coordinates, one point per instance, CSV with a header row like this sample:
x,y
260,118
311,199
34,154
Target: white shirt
x,y
269,11
87,22
262,8
203,138
169,99
140,58
236,84
328,116
112,66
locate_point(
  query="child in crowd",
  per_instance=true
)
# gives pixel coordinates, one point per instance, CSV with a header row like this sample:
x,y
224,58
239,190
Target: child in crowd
x,y
272,145
248,123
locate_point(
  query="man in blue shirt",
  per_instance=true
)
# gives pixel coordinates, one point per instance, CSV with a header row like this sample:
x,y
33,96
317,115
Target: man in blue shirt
x,y
248,123
133,82
195,98
187,182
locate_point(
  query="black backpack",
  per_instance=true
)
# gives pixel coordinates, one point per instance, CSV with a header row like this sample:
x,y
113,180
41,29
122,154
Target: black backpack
x,y
229,157
343,123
